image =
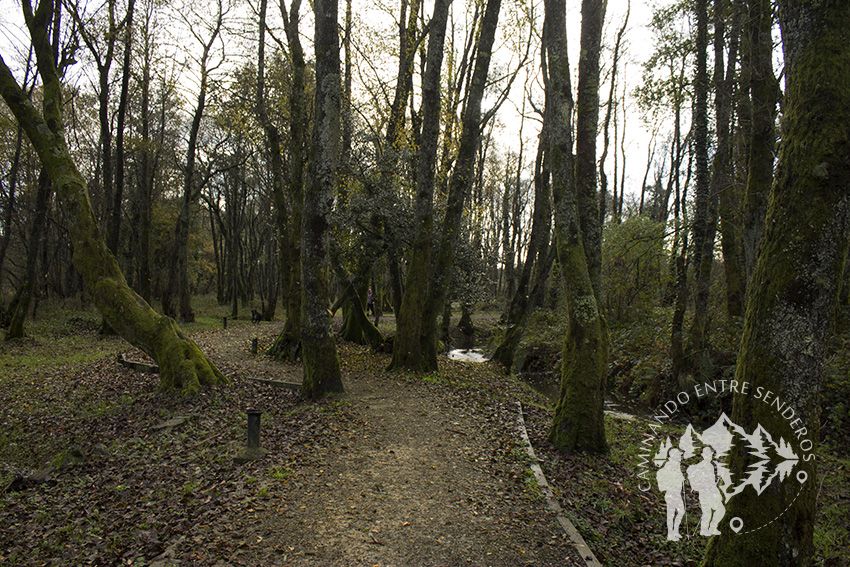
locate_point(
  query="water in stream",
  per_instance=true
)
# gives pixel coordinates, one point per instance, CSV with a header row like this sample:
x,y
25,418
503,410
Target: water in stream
x,y
467,355
549,384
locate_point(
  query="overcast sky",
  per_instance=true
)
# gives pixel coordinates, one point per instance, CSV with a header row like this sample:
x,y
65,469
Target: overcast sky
x,y
372,17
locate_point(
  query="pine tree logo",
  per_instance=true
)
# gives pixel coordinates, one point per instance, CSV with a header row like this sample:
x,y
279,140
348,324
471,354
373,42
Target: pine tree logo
x,y
709,476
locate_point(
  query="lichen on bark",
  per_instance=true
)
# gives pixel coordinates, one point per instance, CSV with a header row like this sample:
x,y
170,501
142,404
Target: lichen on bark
x,y
578,421
321,363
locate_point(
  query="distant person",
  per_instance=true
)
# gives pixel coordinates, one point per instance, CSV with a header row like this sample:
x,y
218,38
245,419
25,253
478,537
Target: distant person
x,y
671,482
703,479
370,302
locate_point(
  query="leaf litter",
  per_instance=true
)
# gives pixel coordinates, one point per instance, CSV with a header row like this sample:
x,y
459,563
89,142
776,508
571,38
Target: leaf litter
x,y
400,470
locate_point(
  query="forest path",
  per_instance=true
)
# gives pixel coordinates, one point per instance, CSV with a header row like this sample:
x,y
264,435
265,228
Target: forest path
x,y
407,471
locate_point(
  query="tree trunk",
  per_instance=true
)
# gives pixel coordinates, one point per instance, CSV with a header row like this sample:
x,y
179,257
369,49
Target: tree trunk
x,y
578,423
587,121
356,326
678,265
10,207
603,178
723,182
321,364
104,65
118,197
794,287
29,284
271,283
287,346
407,346
459,185
520,307
191,187
394,140
181,363
765,92
507,273
705,199
146,171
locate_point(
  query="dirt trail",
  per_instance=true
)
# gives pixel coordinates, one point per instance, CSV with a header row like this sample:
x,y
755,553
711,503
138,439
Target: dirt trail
x,y
408,472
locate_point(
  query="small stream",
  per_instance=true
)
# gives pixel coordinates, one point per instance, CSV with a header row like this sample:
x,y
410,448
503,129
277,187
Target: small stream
x,y
549,384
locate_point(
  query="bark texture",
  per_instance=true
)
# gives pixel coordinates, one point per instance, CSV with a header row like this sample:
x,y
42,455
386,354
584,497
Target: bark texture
x,y
796,282
764,91
578,423
705,206
587,122
321,363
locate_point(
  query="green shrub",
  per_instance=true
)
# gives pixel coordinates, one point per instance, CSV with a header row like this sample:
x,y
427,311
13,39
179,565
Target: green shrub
x,y
634,260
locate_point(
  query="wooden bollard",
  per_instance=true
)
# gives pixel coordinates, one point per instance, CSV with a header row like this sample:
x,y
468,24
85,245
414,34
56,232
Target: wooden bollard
x,y
253,429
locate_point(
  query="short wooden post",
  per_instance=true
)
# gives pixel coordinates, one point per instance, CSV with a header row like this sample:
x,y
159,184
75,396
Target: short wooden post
x,y
253,428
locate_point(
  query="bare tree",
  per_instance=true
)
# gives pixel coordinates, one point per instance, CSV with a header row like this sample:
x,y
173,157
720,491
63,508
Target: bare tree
x,y
191,184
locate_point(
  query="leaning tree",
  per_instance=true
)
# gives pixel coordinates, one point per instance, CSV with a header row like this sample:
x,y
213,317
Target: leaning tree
x,y
182,364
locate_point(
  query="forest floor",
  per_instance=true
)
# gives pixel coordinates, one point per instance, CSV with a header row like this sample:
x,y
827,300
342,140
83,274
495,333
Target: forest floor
x,y
399,470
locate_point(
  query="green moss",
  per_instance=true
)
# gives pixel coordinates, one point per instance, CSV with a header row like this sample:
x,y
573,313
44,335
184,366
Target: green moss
x,y
795,283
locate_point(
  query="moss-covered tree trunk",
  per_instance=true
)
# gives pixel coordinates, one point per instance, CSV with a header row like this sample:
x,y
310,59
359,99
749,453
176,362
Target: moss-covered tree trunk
x,y
795,284
407,346
356,326
460,184
587,122
182,365
321,363
578,423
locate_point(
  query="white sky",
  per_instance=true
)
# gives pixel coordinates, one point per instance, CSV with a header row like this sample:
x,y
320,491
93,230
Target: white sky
x,y
373,24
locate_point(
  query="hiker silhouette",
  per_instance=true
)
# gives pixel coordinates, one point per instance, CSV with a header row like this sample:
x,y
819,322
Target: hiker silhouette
x,y
703,479
671,482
